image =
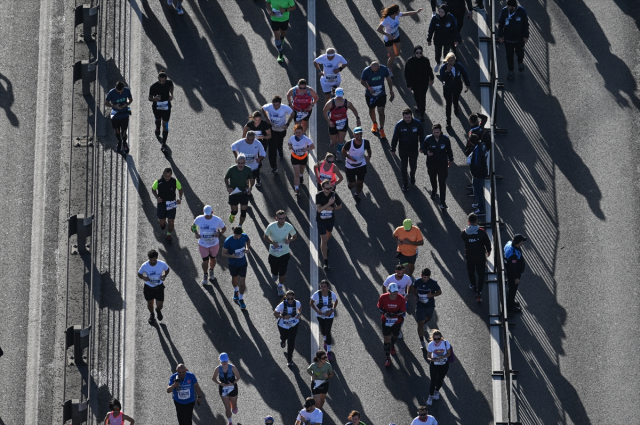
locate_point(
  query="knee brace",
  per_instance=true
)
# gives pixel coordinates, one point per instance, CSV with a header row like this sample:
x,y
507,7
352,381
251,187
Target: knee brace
x,y
243,213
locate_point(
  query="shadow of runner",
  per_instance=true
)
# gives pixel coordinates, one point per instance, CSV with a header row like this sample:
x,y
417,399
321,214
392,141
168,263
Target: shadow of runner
x,y
7,99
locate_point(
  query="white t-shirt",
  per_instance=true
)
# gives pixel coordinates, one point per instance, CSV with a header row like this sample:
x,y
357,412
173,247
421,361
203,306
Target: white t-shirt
x,y
328,66
290,322
278,117
391,26
314,417
430,421
251,151
403,284
327,302
299,146
154,273
209,230
439,351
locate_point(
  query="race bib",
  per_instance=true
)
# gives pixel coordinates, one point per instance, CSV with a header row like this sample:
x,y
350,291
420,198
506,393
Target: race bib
x,y
171,205
324,177
299,151
240,253
227,390
290,322
155,280
274,249
390,321
301,115
424,298
318,382
326,214
250,158
376,90
341,123
184,394
162,106
276,12
331,77
258,133
208,237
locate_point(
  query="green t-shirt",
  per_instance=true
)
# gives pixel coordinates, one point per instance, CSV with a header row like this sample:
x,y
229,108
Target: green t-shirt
x,y
238,178
279,234
280,4
320,373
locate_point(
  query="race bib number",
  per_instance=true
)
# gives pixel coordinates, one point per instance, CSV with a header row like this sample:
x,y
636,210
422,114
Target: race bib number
x,y
184,394
341,123
390,321
301,115
331,77
299,151
424,298
240,253
227,390
276,12
274,249
155,280
163,106
318,382
258,133
250,158
376,90
208,237
290,322
171,205
324,177
326,214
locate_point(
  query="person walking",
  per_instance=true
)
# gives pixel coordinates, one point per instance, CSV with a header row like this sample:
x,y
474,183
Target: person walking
x,y
460,12
373,78
186,391
424,290
288,313
514,266
438,353
227,377
409,238
279,234
477,247
115,416
408,133
443,30
419,76
479,168
513,30
324,302
119,99
389,27
453,74
437,147
320,371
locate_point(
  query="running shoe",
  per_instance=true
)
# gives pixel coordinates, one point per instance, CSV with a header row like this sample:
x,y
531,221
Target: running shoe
x,y
274,277
236,296
168,239
387,362
281,290
510,75
429,401
443,206
157,132
405,187
436,395
338,156
436,68
280,57
125,148
469,186
423,345
382,135
170,2
211,276
325,346
159,312
374,128
152,319
297,192
393,350
119,148
400,336
325,267
243,306
180,10
413,180
330,356
283,344
479,297
232,218
521,67
474,205
479,213
357,198
473,287
289,362
164,147
434,193
235,411
274,170
205,279
258,183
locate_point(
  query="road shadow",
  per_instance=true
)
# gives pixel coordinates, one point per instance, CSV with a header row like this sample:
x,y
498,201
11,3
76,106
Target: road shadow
x,y
7,99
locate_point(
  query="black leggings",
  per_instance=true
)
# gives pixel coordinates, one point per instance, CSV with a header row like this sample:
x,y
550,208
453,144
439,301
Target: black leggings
x,y
289,335
438,176
442,49
476,268
420,96
275,147
437,372
451,97
518,48
325,328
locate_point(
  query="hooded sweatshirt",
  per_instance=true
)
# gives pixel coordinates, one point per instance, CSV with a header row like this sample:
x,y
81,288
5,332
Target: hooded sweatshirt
x,y
417,71
476,243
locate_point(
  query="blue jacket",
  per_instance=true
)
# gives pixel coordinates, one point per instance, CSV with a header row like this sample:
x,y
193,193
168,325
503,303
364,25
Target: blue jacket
x,y
513,262
478,165
513,26
445,29
453,80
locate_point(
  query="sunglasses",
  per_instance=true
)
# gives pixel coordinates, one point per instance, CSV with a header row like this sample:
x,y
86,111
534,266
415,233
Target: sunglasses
x,y
330,162
422,414
324,358
437,339
290,299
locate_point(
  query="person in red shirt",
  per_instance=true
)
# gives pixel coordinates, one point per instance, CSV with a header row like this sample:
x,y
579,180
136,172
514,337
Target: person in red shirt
x,y
393,307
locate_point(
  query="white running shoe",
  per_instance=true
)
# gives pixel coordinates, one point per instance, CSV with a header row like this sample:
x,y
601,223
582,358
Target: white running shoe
x,y
205,280
281,290
436,395
436,68
429,401
211,276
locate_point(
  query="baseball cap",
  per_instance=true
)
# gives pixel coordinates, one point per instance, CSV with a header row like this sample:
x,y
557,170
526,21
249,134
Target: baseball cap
x,y
269,418
407,223
393,287
517,238
224,357
339,92
309,403
357,130
208,210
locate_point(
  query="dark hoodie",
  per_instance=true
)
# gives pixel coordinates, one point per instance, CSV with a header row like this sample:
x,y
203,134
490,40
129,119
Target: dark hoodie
x,y
476,243
417,71
443,30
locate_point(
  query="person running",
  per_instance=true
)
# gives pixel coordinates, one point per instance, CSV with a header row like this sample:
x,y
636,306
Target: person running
x,y
419,76
327,202
115,416
403,283
164,190
269,420
390,29
393,307
276,114
423,417
161,94
409,238
302,99
178,6
184,387
207,229
357,154
227,377
288,313
327,170
279,13
477,247
279,234
408,133
335,112
354,418
424,290
300,146
154,272
453,74
310,415
332,64
324,302
254,154
235,248
119,99
238,183
437,147
260,127
443,30
372,79
320,371
438,353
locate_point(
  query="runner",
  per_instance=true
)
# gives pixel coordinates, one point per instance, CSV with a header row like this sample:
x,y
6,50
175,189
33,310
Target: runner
x,y
182,384
227,377
161,94
390,29
393,307
178,5
119,99
357,154
310,415
164,190
254,154
207,229
260,127
327,201
354,418
238,182
276,114
439,351
320,371
409,238
403,283
300,146
424,290
302,98
269,420
236,247
279,12
115,416
327,170
154,272
288,313
423,418
372,79
324,302
335,112
279,234
332,65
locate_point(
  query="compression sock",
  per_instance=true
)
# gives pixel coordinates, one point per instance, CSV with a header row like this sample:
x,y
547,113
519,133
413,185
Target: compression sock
x,y
387,349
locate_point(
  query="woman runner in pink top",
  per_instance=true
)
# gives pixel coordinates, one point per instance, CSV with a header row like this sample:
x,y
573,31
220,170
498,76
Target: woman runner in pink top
x,y
116,417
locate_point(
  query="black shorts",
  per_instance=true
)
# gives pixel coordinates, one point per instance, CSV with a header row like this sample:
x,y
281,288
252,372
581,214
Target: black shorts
x,y
162,212
334,130
392,42
325,225
154,292
422,312
354,174
296,161
279,25
322,389
238,270
120,123
233,393
162,115
279,264
406,259
391,330
239,198
376,101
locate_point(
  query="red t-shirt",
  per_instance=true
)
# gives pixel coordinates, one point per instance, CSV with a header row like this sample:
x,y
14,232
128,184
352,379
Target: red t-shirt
x,y
399,305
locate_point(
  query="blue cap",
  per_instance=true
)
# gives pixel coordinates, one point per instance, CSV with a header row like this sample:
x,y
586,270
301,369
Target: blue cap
x,y
269,418
357,130
339,92
224,357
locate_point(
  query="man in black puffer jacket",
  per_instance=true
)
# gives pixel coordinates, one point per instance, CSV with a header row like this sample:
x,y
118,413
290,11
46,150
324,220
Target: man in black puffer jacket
x,y
419,76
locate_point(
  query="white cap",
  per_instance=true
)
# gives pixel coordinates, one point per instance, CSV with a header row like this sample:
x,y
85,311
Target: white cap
x,y
208,210
339,92
393,287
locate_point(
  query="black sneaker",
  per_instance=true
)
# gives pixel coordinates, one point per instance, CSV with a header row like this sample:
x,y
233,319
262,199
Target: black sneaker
x,y
163,148
126,152
473,287
258,183
521,67
274,170
405,187
326,265
159,312
469,186
152,319
434,193
413,180
443,206
357,198
510,75
448,122
479,297
517,304
119,148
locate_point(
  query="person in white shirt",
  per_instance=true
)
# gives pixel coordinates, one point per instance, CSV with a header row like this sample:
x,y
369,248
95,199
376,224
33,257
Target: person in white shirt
x,y
276,114
310,415
389,27
253,152
332,64
207,229
424,418
288,313
300,146
153,273
438,354
403,281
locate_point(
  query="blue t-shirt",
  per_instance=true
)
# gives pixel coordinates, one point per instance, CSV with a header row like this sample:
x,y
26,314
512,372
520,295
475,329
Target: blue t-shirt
x,y
186,392
423,289
232,244
119,99
375,80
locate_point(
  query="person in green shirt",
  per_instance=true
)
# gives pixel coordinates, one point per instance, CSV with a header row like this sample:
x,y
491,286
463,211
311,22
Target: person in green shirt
x,y
279,12
321,371
354,418
238,182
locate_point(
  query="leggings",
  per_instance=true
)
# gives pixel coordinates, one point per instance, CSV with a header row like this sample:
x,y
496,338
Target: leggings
x,y
289,335
442,49
475,267
275,147
325,328
437,372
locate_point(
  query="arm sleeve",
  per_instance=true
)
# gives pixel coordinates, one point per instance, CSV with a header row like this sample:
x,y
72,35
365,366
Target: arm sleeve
x,y
525,24
396,136
432,28
178,185
154,186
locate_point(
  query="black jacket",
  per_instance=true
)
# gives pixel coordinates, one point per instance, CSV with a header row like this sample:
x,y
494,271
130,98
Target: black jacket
x,y
513,262
408,135
478,164
484,134
517,28
442,152
476,244
453,80
443,30
454,5
418,72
